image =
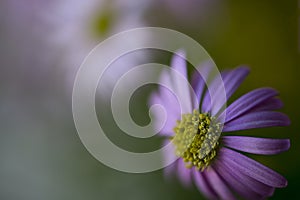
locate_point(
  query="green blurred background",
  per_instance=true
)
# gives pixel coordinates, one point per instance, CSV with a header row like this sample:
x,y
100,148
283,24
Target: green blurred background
x,y
42,45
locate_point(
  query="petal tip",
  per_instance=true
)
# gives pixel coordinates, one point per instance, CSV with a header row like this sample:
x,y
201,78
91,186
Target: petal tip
x,y
286,120
180,52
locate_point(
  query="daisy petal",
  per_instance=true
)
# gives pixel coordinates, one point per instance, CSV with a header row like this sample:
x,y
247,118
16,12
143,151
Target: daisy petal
x,y
198,81
253,169
184,174
213,98
210,78
158,116
231,80
167,129
182,88
166,94
257,120
218,185
219,97
203,185
236,184
168,155
256,186
268,105
178,62
235,79
263,146
248,102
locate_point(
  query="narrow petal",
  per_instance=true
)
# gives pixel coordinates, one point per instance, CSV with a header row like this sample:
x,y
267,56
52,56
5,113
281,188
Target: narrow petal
x,y
236,184
158,116
184,174
253,169
235,79
207,72
203,185
167,128
198,81
213,88
231,81
182,85
268,105
257,120
178,62
248,102
254,185
218,185
264,146
168,156
166,92
219,97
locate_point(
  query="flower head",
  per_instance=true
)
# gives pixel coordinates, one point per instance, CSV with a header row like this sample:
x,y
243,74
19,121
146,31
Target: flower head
x,y
208,156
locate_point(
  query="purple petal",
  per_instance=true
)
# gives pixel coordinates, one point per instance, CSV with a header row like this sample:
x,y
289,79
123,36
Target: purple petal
x,y
231,80
166,94
236,184
253,169
184,174
264,146
248,102
257,120
167,129
235,79
178,62
218,185
203,185
207,72
198,81
181,86
268,105
168,156
256,186
158,116
169,101
169,171
212,89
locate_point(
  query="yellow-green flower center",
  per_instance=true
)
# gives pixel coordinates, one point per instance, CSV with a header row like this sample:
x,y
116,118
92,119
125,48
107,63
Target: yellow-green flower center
x,y
196,139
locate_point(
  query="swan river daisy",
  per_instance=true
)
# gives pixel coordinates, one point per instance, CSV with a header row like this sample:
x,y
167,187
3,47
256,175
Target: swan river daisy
x,y
206,155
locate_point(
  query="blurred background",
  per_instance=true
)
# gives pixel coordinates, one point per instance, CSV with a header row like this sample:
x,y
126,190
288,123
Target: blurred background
x,y
42,44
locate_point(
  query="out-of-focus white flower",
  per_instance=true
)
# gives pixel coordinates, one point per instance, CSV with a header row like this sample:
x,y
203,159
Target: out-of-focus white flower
x,y
57,35
78,26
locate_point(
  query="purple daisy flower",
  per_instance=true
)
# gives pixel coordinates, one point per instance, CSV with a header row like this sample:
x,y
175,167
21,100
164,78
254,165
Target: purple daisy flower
x,y
208,157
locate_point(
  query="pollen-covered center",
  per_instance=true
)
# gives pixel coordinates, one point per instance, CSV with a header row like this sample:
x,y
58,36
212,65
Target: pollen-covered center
x,y
196,139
